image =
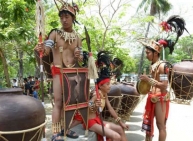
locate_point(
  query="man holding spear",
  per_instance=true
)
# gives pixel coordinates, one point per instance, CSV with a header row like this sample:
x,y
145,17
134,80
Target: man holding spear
x,y
65,46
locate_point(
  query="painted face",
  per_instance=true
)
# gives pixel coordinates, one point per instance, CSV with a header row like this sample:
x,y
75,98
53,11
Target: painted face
x,y
105,87
66,20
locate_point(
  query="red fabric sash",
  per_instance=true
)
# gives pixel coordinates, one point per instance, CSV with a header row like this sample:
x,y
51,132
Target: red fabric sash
x,y
56,71
93,121
78,117
148,116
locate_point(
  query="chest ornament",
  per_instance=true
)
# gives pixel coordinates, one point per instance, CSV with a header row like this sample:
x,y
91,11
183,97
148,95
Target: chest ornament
x,y
68,36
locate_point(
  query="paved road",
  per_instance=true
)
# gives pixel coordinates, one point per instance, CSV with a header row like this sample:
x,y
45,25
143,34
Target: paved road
x,y
179,124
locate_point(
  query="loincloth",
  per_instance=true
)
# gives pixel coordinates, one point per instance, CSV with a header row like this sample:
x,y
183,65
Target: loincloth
x,y
78,117
56,70
148,117
93,121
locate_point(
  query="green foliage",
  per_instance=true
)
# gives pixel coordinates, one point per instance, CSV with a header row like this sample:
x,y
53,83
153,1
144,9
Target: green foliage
x,y
52,19
112,40
145,66
182,50
17,23
155,6
106,33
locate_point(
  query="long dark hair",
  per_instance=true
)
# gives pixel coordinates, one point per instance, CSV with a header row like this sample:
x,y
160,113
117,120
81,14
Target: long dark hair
x,y
103,65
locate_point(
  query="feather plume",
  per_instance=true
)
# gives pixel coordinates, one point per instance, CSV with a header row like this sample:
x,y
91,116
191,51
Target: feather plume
x,y
175,24
118,65
103,64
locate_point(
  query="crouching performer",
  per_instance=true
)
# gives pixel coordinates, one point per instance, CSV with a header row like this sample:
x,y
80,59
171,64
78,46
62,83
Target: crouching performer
x,y
112,131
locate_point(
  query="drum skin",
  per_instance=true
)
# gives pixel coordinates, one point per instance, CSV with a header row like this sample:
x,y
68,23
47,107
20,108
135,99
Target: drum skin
x,y
143,87
19,112
182,79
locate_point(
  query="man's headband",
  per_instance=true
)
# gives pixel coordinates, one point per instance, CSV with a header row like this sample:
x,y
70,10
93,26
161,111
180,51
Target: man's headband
x,y
67,7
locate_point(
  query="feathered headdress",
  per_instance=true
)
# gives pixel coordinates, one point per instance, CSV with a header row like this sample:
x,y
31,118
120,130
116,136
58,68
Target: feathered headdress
x,y
72,8
174,24
117,65
103,67
117,62
156,46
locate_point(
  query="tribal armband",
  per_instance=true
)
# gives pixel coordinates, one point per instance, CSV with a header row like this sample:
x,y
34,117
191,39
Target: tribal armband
x,y
163,77
153,82
49,43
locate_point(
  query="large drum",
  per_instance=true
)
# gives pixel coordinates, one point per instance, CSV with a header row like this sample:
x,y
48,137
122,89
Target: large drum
x,y
22,118
129,101
182,80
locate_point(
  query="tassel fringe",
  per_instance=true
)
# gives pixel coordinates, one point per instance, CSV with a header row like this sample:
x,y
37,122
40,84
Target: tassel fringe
x,y
92,70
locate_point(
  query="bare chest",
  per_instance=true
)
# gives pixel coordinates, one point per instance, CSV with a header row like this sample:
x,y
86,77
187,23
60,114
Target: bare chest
x,y
65,45
155,75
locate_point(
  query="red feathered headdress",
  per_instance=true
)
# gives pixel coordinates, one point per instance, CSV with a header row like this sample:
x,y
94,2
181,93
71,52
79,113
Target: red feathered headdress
x,y
174,24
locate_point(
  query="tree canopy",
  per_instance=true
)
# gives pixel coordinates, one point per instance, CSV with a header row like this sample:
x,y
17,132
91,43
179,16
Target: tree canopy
x,y
107,23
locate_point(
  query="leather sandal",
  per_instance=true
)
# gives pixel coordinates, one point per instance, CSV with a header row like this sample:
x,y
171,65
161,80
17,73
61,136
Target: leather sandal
x,y
72,134
54,137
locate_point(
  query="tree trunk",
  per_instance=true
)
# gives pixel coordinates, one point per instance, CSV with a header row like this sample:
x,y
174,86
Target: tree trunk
x,y
154,9
152,12
5,68
142,54
20,68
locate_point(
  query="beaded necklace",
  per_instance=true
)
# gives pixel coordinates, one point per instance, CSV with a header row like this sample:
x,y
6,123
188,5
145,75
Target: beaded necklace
x,y
68,36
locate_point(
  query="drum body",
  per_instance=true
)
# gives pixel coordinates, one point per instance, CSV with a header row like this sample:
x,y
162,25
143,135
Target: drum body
x,y
47,61
129,101
182,80
22,117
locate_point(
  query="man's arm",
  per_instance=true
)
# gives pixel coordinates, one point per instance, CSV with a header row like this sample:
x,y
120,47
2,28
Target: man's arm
x,y
78,53
114,114
48,44
162,76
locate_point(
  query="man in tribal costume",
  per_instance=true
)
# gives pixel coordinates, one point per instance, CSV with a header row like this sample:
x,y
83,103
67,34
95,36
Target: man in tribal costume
x,y
65,46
